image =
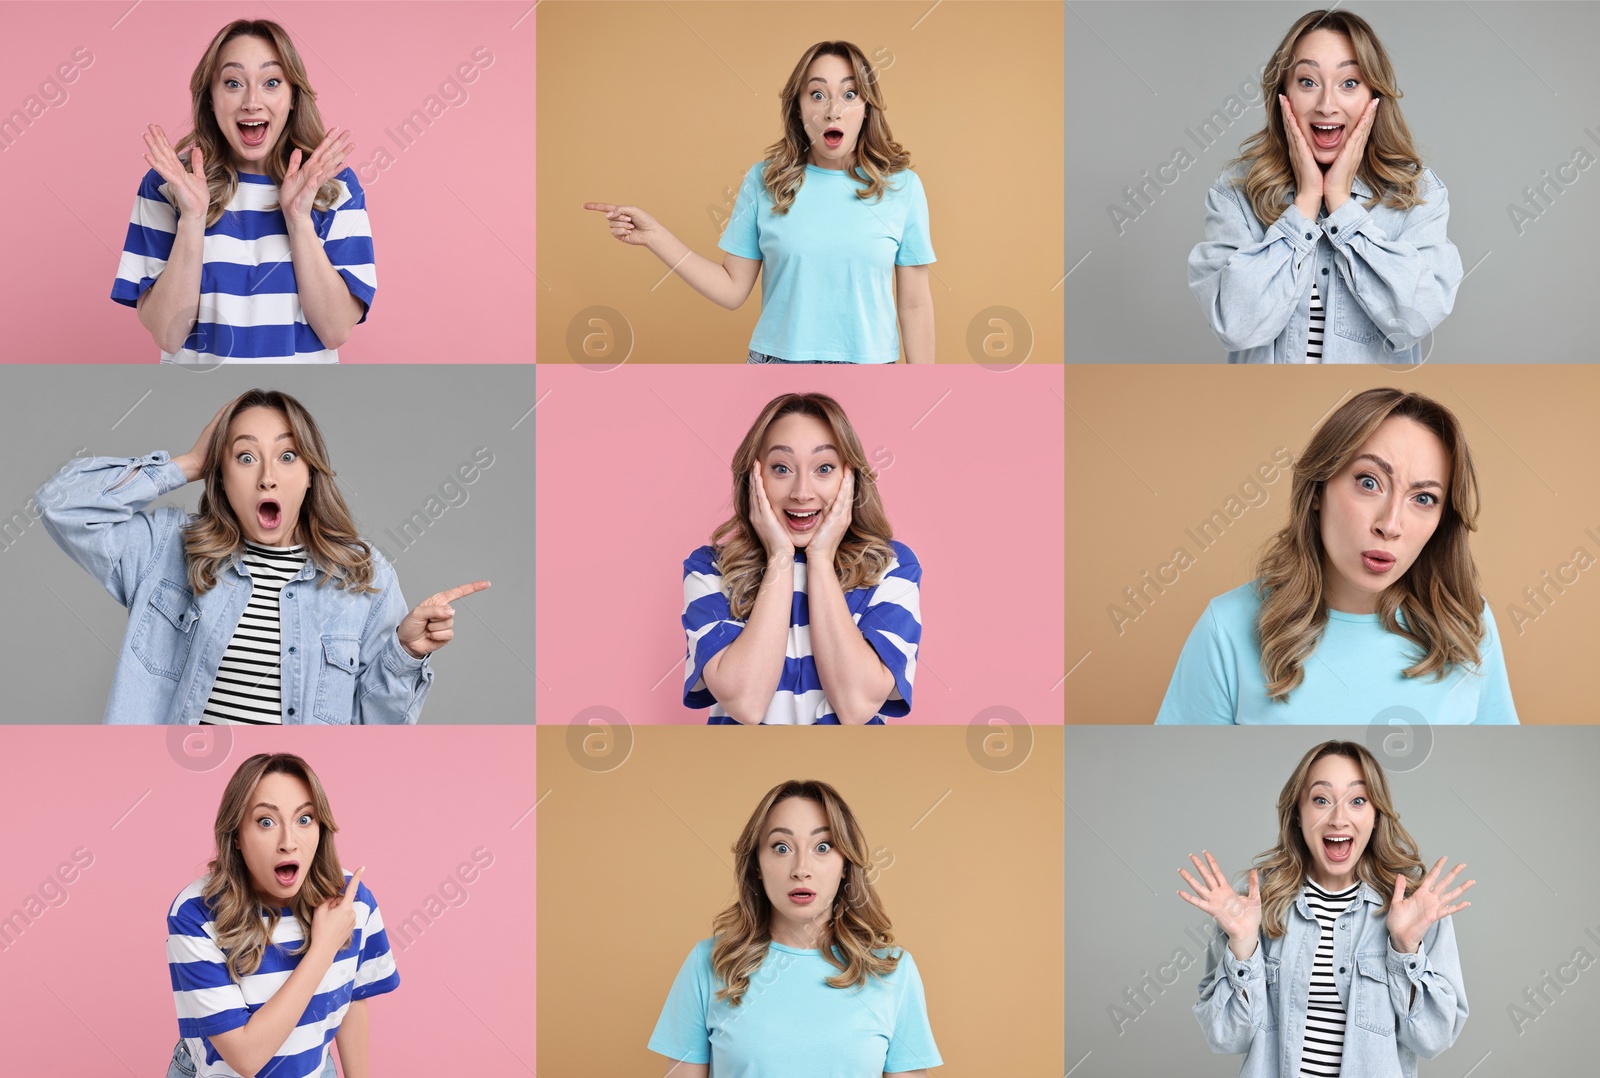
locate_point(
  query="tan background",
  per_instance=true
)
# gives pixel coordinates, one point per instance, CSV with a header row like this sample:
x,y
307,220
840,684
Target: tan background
x,y
1154,451
666,107
634,863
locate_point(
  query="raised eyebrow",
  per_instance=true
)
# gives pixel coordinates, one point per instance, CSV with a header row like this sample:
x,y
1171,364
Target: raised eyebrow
x,y
1388,470
823,448
819,78
266,64
1329,785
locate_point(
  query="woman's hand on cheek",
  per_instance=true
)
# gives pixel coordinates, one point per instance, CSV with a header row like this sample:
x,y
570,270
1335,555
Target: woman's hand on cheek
x,y
298,191
1307,173
769,529
1342,173
193,462
835,522
432,624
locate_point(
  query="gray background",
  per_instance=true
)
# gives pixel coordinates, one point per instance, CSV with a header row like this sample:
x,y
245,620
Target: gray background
x,y
1495,94
394,434
1516,804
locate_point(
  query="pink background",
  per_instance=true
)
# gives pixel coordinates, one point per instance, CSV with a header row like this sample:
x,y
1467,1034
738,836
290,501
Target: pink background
x,y
633,475
85,986
451,287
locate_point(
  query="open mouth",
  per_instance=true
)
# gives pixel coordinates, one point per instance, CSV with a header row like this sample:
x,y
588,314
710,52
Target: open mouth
x,y
1337,848
269,514
1377,562
802,522
801,896
1327,136
253,132
833,137
286,873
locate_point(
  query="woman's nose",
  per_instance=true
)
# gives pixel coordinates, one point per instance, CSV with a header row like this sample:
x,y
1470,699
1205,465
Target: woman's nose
x,y
1388,524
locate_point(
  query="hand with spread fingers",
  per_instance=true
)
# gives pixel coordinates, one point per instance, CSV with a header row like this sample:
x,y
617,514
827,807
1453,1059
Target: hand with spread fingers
x,y
1237,915
1341,174
187,183
769,529
1411,916
297,194
835,524
431,625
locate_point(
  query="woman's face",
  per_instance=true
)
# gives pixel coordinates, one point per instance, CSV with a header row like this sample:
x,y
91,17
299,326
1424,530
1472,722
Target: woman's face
x,y
252,97
801,469
279,837
264,476
800,870
832,108
1336,819
1379,511
1325,87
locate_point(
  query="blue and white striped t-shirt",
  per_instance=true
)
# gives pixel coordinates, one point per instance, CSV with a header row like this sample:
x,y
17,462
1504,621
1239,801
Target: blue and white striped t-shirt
x,y
889,615
249,304
210,1003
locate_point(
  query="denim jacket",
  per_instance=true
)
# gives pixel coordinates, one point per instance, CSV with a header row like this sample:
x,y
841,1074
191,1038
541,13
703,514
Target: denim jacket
x,y
1387,277
341,659
1258,1006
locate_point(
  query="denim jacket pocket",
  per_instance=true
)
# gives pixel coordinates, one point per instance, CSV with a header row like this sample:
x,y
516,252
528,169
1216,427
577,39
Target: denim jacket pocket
x,y
1370,986
336,679
1273,971
1350,320
165,632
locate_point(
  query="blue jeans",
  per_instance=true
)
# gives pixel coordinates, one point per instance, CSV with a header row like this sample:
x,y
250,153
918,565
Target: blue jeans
x,y
757,357
182,1066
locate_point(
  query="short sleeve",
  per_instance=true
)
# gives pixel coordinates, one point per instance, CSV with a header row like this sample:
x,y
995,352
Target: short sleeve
x,y
708,622
375,969
892,624
1204,686
152,228
742,234
1494,702
681,1032
916,247
911,1045
347,239
208,1000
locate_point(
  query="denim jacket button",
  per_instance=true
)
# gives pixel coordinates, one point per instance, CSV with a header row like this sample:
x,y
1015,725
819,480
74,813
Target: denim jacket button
x,y
1334,230
291,649
1308,235
288,595
291,711
1341,969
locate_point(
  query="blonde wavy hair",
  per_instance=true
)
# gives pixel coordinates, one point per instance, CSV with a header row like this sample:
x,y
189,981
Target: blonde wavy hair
x,y
325,528
877,154
864,553
244,923
303,131
1391,851
1437,604
1390,164
849,934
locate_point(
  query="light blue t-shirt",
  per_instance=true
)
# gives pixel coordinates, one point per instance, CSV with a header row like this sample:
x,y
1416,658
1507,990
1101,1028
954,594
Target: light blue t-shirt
x,y
827,266
1353,677
791,1024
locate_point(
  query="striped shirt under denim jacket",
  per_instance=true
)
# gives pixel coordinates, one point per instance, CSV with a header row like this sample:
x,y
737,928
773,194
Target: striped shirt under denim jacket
x,y
1386,277
1398,1007
342,661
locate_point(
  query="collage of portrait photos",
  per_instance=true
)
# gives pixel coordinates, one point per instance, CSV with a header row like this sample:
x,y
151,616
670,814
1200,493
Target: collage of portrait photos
x,y
432,423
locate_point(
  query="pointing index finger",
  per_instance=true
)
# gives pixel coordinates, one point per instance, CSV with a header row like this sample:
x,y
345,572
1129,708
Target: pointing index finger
x,y
603,207
456,593
353,885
